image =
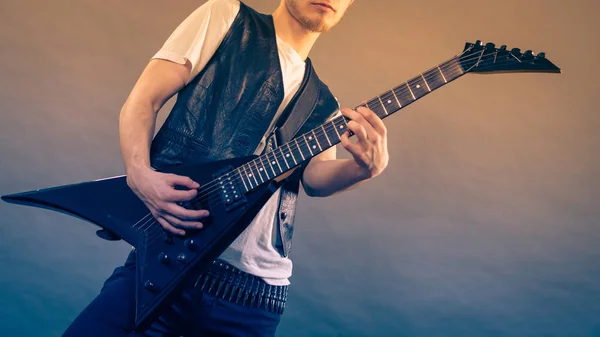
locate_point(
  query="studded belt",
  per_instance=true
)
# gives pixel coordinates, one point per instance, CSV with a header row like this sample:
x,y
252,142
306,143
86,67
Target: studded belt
x,y
224,281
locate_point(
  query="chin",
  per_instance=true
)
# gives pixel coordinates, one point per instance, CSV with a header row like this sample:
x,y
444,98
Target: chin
x,y
318,25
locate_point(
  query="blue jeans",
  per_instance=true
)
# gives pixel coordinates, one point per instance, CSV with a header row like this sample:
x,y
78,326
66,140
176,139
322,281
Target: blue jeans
x,y
192,313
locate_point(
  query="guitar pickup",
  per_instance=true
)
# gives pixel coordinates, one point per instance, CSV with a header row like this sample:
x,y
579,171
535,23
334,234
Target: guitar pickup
x,y
229,189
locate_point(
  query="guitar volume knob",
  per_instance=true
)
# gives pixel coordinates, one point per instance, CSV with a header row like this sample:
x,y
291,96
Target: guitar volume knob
x,y
150,286
191,245
163,258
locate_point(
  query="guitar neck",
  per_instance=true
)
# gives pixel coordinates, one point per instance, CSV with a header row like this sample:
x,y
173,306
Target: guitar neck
x,y
300,149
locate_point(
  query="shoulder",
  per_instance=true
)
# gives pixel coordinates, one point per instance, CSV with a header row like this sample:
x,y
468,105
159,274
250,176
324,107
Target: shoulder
x,y
219,8
223,4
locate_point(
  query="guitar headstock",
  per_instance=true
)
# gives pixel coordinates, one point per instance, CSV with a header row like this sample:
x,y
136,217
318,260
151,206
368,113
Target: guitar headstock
x,y
480,58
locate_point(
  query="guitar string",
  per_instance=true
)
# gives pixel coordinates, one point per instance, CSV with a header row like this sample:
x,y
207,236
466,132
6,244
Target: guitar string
x,y
403,92
456,66
449,65
446,65
259,161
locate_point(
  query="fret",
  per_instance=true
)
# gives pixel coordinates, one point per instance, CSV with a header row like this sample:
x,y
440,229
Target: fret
x,y
451,69
317,140
397,100
418,87
304,146
261,171
242,178
299,149
331,133
276,161
411,92
383,106
427,84
285,156
292,152
321,138
271,166
341,126
262,168
335,127
435,78
442,73
403,95
307,144
389,102
257,171
326,136
250,175
377,106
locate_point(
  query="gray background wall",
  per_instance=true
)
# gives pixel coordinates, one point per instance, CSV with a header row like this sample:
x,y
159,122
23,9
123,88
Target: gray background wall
x,y
484,224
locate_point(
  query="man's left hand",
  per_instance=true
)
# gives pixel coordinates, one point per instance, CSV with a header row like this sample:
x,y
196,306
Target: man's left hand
x,y
370,150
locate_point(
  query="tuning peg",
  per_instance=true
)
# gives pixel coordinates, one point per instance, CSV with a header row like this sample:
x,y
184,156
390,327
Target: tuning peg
x,y
528,53
503,47
515,51
541,55
490,46
478,43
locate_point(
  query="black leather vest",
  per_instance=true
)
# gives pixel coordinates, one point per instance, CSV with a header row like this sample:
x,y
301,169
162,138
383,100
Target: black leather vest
x,y
227,108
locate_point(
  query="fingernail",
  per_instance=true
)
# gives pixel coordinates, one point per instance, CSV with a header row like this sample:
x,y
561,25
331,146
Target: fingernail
x,y
200,226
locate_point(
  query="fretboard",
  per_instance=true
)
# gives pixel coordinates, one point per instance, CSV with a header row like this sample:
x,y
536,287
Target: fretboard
x,y
300,149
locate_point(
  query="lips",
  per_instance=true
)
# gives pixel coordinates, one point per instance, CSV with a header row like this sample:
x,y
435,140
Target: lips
x,y
323,4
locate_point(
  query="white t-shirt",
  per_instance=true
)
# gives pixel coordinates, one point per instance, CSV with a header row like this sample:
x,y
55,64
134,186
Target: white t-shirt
x,y
196,39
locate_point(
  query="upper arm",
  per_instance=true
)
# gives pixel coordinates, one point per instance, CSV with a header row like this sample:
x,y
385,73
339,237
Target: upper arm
x,y
159,81
197,38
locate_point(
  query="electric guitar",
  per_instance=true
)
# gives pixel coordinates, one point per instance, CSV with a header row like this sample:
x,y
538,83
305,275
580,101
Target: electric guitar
x,y
234,190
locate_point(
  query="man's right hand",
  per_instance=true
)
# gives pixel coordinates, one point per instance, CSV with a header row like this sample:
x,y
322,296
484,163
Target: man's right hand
x,y
157,191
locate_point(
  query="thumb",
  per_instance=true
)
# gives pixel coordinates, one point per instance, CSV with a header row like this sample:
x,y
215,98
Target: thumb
x,y
175,180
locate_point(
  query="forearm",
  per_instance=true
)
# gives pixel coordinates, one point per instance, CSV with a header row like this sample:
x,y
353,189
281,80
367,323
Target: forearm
x,y
136,128
327,177
158,82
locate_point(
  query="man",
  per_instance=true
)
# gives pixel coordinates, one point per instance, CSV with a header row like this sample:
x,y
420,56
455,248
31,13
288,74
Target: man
x,y
234,71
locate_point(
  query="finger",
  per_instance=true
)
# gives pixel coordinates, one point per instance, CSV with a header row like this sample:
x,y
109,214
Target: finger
x,y
360,119
184,213
167,226
175,180
181,195
373,119
178,223
354,149
360,132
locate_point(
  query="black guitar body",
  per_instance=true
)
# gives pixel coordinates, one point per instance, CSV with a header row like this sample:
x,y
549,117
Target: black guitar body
x,y
163,261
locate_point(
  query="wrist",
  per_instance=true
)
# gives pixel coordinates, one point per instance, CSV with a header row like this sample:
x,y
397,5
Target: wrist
x,y
136,171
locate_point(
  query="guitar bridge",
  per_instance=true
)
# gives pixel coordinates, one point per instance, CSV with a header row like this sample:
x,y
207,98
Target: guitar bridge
x,y
229,189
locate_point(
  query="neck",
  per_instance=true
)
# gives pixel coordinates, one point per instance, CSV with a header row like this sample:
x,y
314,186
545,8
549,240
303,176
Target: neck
x,y
292,32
